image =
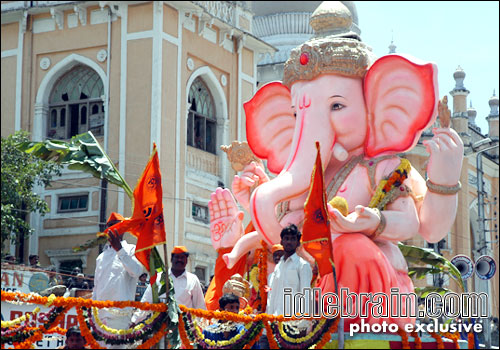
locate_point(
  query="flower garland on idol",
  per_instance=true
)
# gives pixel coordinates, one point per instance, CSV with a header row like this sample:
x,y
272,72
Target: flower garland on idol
x,y
149,331
192,333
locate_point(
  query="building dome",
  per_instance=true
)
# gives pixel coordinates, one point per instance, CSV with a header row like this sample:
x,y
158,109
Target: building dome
x,y
287,26
459,73
459,77
493,100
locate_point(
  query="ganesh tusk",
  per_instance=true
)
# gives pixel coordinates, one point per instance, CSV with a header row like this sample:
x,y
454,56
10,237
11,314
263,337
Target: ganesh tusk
x,y
340,153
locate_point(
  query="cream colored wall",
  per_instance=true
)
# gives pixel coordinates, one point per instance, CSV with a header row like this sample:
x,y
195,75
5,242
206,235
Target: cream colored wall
x,y
168,144
170,20
8,94
9,35
65,242
247,62
140,17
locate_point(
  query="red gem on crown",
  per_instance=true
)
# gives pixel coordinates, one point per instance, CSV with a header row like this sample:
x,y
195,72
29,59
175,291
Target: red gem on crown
x,y
304,58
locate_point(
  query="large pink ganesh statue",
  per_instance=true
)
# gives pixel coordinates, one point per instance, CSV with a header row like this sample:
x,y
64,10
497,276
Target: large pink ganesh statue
x,y
363,112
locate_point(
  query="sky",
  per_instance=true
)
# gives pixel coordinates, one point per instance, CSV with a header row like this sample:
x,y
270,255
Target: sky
x,y
449,34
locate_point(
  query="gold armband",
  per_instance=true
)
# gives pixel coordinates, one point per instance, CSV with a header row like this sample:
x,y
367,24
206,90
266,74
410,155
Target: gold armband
x,y
380,227
443,189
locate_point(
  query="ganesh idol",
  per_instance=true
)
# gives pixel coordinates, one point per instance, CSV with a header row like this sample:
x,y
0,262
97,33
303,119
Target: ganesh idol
x,y
365,113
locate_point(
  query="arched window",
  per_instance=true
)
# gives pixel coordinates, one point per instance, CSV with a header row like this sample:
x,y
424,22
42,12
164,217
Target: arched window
x,y
202,124
75,93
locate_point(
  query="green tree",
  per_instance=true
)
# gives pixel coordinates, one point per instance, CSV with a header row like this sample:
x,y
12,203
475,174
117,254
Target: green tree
x,y
20,172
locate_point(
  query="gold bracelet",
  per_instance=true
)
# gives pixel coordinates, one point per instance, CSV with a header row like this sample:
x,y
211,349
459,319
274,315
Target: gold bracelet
x,y
381,225
443,189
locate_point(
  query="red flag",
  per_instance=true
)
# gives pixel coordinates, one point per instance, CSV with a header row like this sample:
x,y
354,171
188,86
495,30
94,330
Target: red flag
x,y
147,222
316,230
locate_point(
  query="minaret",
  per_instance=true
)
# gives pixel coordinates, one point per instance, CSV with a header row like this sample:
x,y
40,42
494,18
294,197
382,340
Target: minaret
x,y
460,117
492,119
392,47
472,113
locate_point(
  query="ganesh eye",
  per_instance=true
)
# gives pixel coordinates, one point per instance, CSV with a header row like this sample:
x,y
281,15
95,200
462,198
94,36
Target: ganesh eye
x,y
337,106
295,114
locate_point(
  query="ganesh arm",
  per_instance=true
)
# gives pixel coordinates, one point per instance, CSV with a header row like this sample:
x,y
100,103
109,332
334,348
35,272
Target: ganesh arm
x,y
402,222
437,216
436,212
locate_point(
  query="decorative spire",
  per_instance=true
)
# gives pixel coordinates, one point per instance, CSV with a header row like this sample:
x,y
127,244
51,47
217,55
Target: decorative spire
x,y
392,47
471,113
493,102
459,77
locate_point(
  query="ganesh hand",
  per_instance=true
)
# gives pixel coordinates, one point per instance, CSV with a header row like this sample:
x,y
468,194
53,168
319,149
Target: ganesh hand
x,y
446,155
362,220
253,174
225,219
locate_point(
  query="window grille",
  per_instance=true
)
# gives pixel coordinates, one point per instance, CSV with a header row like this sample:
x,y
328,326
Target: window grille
x,y
202,124
75,94
68,204
200,213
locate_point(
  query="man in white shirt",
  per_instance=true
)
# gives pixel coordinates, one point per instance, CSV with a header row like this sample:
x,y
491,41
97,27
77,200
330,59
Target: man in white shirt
x,y
292,271
116,274
187,286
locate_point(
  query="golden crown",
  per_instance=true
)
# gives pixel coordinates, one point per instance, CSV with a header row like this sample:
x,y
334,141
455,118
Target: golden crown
x,y
335,48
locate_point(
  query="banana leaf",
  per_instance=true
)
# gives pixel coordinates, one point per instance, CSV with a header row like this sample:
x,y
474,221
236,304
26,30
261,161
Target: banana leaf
x,y
82,152
423,292
422,256
422,272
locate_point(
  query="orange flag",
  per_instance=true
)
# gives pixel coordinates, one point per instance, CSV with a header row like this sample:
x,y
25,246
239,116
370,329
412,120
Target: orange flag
x,y
316,230
147,222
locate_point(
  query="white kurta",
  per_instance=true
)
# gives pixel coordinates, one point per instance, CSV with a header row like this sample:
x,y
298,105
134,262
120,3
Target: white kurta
x,y
294,273
116,276
187,290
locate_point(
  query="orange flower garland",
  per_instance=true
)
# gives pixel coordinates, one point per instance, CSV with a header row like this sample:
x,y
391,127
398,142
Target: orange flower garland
x,y
85,331
154,340
33,339
404,338
254,340
80,302
269,332
439,341
418,341
182,332
328,335
470,340
226,315
263,276
453,337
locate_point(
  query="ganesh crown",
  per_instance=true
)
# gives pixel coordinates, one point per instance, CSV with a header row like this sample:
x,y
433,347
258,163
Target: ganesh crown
x,y
334,48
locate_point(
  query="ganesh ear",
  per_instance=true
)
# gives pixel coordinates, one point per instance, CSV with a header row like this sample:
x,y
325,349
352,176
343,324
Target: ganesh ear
x,y
401,99
270,123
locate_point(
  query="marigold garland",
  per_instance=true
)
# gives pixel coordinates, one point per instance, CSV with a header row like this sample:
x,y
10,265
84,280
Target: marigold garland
x,y
453,337
80,302
270,338
439,340
418,341
404,338
23,318
182,332
254,340
396,179
328,335
86,331
122,331
470,340
155,339
263,276
28,342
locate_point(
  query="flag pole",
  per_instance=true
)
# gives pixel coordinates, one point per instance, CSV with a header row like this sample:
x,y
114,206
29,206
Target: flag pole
x,y
340,329
167,282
